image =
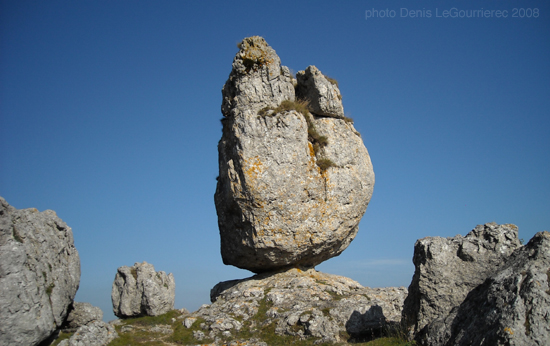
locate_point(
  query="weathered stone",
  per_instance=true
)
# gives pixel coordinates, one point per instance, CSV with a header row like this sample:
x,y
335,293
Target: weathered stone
x,y
39,274
81,314
257,80
140,290
322,94
301,303
447,269
95,333
511,307
284,198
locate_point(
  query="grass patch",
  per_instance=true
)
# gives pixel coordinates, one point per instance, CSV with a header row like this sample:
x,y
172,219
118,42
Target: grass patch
x,y
134,272
147,321
325,164
62,336
50,289
331,80
16,236
348,119
184,336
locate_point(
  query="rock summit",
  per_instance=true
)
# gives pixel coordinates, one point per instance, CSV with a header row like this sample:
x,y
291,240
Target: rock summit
x,y
294,175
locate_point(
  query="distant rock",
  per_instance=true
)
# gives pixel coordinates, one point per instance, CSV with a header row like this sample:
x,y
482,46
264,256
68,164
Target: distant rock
x,y
292,186
447,269
511,307
300,303
140,290
95,333
39,274
81,314
320,92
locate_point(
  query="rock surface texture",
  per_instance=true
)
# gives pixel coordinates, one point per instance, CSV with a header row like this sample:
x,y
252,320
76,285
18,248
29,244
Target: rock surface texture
x,y
39,274
140,290
81,314
95,333
300,303
293,185
511,307
447,269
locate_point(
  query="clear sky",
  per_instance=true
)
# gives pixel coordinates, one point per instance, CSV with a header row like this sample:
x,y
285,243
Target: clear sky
x,y
109,115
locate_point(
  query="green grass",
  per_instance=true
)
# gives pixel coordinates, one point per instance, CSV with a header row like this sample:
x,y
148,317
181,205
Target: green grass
x,y
256,327
62,336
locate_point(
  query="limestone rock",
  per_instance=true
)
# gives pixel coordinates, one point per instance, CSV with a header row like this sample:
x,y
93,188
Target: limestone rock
x,y
95,333
323,95
301,303
39,274
284,199
447,269
81,314
511,307
140,290
257,79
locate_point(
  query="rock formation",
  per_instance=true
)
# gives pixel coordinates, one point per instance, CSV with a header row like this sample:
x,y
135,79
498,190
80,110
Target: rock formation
x,y
511,307
301,303
95,333
140,290
293,184
447,269
39,274
81,314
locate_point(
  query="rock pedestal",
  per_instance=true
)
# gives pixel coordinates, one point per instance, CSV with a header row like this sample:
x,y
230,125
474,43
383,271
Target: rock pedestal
x,y
293,185
308,303
140,290
39,274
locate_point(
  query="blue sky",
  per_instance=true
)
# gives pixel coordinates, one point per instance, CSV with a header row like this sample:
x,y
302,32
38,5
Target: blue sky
x,y
109,115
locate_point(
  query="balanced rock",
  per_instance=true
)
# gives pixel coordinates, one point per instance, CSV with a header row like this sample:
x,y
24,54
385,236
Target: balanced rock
x,y
293,185
140,290
447,269
511,307
39,274
307,304
81,314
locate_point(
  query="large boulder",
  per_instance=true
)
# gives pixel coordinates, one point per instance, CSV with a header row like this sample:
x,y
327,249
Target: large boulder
x,y
292,185
307,304
511,307
141,291
39,274
447,269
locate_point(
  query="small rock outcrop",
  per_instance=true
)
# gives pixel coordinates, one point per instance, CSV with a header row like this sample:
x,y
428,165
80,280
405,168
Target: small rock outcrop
x,y
511,307
300,303
95,333
39,274
293,184
140,290
447,269
81,314
322,93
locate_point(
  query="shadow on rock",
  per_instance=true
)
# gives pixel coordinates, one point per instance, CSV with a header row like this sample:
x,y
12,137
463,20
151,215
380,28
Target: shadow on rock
x,y
367,326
